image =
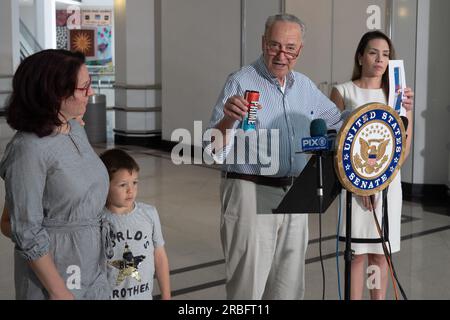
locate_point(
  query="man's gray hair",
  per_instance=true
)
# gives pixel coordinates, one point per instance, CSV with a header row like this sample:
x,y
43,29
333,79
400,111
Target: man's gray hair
x,y
287,18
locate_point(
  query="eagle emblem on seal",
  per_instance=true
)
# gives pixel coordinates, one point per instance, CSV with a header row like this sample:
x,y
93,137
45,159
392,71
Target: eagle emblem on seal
x,y
372,155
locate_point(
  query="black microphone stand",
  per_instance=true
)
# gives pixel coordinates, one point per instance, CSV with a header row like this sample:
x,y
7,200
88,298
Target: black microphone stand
x,y
313,191
348,254
320,181
319,161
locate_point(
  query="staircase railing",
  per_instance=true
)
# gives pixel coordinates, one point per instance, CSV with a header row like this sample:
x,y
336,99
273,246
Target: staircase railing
x,y
28,43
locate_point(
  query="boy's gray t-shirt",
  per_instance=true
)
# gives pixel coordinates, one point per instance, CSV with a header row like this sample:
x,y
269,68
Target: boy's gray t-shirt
x,y
136,235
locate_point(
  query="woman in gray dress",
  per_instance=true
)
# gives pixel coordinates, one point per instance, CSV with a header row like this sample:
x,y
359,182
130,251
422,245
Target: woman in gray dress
x,y
56,186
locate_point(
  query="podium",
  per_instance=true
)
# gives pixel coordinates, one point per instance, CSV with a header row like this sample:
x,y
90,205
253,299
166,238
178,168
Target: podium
x,y
370,152
306,185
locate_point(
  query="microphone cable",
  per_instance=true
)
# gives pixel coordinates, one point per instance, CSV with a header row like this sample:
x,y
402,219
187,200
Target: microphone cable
x,y
321,256
395,273
385,251
393,267
337,246
387,254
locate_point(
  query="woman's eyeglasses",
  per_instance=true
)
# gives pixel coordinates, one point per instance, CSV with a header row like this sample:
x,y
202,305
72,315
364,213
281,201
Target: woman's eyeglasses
x,y
86,87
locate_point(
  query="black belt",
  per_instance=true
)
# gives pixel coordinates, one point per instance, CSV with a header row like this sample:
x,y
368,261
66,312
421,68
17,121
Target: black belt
x,y
278,182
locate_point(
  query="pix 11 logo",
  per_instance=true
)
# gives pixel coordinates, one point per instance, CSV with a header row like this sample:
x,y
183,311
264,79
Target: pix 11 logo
x,y
314,143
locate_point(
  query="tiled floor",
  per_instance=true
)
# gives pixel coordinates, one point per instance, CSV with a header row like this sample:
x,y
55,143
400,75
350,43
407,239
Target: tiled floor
x,y
187,198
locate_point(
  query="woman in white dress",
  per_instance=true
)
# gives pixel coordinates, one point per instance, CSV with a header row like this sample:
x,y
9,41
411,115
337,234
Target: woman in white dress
x,y
370,83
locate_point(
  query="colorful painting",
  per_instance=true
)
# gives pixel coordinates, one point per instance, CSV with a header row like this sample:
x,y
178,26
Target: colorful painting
x,y
104,51
83,40
96,17
93,37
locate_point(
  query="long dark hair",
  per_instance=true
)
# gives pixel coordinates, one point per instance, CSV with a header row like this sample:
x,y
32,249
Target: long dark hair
x,y
40,84
366,38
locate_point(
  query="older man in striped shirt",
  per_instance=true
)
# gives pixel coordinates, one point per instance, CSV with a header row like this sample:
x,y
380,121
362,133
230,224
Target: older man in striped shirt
x,y
265,253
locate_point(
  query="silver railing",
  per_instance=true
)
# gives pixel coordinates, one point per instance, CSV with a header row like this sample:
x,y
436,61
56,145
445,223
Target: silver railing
x,y
28,43
102,78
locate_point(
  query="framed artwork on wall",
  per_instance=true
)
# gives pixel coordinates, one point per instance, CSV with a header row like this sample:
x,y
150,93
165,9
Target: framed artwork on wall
x,y
83,40
96,17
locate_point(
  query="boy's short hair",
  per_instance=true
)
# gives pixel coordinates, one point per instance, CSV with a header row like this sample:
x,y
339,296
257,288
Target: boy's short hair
x,y
116,159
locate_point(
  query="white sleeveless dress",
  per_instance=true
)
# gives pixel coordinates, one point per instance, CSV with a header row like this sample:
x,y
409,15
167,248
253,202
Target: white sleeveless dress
x,y
365,237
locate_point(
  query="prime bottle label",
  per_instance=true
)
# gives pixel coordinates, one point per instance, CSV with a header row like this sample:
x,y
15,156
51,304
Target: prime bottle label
x,y
252,98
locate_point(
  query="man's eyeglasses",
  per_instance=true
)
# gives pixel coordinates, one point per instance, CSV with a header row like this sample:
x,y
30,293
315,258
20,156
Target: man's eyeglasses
x,y
275,48
86,87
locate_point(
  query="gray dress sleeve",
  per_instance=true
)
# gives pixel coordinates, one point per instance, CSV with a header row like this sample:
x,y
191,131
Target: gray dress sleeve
x,y
24,170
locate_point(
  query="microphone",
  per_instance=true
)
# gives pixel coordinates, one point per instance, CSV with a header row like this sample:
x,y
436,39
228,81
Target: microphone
x,y
345,115
318,128
405,122
317,145
318,140
331,134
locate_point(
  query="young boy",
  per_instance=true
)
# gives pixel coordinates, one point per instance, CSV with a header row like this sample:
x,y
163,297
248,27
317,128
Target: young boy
x,y
137,242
